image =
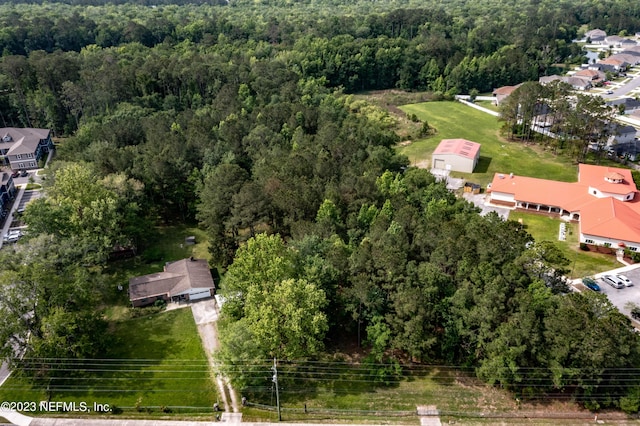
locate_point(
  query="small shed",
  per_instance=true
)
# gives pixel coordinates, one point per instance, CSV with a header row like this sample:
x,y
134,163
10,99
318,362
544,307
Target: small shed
x,y
473,188
459,155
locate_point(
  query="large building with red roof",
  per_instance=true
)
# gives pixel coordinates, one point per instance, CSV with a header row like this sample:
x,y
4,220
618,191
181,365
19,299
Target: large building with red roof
x,y
458,155
605,201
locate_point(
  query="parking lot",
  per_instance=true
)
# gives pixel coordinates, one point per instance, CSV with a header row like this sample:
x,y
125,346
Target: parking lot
x,y
26,197
621,297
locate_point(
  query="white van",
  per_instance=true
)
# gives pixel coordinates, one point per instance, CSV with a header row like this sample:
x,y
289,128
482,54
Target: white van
x,y
613,281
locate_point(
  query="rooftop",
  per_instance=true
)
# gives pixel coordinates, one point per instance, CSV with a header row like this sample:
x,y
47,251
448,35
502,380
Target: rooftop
x,y
177,277
460,147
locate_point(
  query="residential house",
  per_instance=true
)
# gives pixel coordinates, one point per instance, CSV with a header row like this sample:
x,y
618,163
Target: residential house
x,y
629,105
624,142
629,58
628,42
579,83
604,201
596,76
22,148
621,134
631,52
181,281
630,150
613,40
617,64
459,155
604,68
595,36
502,93
7,193
544,80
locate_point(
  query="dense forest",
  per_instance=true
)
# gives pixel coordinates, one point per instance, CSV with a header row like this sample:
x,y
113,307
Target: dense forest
x,y
239,116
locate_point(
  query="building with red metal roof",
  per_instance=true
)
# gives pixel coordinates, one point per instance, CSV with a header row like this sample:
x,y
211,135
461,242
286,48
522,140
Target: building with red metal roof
x,y
459,155
605,201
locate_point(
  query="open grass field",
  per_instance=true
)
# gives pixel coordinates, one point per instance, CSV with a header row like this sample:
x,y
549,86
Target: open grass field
x,y
454,120
328,391
152,361
582,263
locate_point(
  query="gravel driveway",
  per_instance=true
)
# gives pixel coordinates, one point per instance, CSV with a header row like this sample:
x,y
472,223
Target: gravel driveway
x,y
205,314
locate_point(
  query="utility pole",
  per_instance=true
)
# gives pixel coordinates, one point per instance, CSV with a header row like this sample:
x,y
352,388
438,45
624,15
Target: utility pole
x,y
275,380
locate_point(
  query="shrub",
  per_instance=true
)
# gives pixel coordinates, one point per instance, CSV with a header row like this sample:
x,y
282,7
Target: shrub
x,y
584,247
152,255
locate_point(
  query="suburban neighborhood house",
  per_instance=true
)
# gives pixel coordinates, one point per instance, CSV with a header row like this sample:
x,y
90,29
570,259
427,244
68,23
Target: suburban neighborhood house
x,y
458,155
604,201
502,93
22,148
181,281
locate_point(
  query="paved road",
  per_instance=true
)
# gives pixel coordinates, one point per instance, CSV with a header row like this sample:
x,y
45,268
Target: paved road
x,y
478,107
4,373
9,219
28,421
624,89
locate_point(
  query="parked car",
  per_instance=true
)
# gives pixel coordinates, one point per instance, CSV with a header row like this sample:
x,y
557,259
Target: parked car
x,y
15,173
23,173
12,236
613,281
626,281
609,92
591,283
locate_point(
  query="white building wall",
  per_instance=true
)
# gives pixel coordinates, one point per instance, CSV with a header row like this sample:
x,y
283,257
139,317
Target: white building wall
x,y
457,162
602,241
199,293
502,196
622,197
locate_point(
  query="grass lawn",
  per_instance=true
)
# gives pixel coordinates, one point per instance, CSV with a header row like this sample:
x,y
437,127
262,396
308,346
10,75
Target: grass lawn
x,y
454,120
337,387
337,390
582,263
488,105
153,361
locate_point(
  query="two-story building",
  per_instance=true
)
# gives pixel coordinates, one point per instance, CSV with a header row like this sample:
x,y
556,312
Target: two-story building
x,y
7,193
21,149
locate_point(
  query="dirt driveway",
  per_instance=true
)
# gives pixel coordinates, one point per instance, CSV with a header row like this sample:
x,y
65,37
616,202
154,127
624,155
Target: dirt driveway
x,y
205,314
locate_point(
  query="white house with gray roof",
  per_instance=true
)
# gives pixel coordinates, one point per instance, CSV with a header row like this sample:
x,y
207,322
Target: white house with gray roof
x,y
21,148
